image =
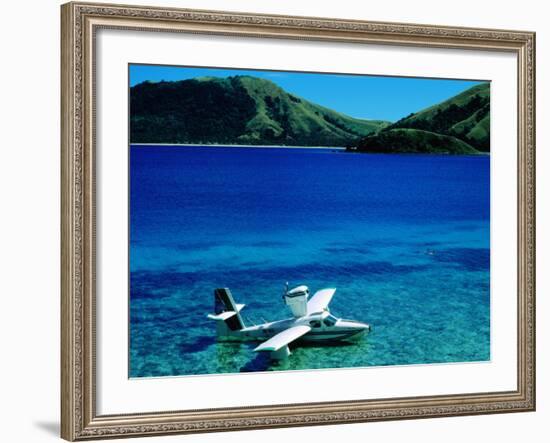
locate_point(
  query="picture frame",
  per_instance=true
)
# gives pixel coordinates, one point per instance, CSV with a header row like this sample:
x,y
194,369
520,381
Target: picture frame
x,y
80,177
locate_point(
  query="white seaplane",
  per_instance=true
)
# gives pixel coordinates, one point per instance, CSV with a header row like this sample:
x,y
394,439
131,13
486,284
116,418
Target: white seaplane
x,y
311,322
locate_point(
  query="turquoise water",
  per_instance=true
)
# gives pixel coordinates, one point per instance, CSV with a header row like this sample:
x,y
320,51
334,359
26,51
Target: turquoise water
x,y
405,239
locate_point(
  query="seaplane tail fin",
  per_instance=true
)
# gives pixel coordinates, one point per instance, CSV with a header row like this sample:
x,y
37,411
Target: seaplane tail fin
x,y
226,312
278,344
320,300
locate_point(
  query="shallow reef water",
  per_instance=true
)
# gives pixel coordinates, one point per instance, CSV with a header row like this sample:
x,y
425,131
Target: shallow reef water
x,y
403,238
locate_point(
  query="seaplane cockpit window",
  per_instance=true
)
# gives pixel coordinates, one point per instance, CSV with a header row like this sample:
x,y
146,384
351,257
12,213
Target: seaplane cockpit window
x,y
330,320
315,324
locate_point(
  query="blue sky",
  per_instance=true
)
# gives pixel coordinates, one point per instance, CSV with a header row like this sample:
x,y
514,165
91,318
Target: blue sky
x,y
361,96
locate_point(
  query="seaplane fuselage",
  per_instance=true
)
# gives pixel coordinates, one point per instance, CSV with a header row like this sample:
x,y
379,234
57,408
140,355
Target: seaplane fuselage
x,y
324,327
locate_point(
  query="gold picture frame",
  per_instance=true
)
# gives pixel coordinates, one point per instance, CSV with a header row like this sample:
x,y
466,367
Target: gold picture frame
x,y
80,21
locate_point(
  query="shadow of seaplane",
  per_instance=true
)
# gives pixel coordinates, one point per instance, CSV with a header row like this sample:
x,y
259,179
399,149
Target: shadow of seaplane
x,y
312,322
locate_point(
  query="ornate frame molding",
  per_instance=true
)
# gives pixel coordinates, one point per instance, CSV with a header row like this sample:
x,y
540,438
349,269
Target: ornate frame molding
x,y
79,420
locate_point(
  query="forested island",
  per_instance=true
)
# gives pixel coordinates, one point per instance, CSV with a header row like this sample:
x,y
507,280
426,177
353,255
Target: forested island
x,y
246,110
459,125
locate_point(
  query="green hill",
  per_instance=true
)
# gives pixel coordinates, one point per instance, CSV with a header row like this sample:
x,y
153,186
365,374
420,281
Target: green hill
x,y
236,110
465,116
413,141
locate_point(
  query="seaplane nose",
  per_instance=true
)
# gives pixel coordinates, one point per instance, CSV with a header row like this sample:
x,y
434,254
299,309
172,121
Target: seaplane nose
x,y
356,328
351,325
362,326
357,325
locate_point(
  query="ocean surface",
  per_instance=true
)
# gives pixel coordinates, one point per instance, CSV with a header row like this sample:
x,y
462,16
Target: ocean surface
x,y
403,238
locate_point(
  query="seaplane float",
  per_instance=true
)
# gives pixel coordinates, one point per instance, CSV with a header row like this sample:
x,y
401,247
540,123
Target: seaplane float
x,y
311,322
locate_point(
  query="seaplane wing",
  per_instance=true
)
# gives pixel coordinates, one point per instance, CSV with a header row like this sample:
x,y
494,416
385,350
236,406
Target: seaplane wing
x,y
283,338
320,300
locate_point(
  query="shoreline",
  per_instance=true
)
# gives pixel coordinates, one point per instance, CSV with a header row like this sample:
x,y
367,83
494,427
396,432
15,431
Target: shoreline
x,y
339,148
446,154
328,148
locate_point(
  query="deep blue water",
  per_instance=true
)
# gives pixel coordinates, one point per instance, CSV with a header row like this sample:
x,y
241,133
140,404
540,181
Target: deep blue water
x,y
404,238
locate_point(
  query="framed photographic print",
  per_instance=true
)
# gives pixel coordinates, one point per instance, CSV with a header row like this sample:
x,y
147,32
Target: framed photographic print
x,y
282,221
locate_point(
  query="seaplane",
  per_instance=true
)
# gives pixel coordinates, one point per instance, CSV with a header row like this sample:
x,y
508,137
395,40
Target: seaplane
x,y
311,322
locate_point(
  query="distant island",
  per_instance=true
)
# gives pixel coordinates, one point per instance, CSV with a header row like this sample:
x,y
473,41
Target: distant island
x,y
237,110
246,110
459,125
